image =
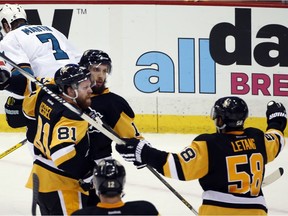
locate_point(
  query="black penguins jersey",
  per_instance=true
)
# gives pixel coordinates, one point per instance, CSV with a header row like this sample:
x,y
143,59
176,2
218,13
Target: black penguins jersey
x,y
230,166
61,145
117,113
120,208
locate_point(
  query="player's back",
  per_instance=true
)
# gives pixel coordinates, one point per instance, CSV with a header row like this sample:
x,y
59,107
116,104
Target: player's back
x,y
236,169
129,208
43,47
231,153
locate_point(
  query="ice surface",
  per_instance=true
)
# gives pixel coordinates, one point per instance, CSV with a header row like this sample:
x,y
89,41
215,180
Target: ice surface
x,y
140,184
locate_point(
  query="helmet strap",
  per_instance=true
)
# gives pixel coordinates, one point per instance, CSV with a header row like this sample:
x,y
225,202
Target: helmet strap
x,y
70,97
220,125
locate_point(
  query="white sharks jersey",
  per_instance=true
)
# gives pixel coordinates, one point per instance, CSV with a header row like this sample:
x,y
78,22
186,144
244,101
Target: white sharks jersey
x,y
42,48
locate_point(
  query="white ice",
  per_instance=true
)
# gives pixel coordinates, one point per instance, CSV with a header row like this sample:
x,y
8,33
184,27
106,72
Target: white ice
x,y
141,184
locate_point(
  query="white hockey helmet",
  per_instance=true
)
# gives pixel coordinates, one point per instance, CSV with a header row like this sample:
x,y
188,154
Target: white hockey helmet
x,y
11,12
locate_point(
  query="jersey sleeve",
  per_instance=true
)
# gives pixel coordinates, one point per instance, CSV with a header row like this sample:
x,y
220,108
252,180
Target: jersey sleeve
x,y
125,127
31,95
13,49
178,165
274,143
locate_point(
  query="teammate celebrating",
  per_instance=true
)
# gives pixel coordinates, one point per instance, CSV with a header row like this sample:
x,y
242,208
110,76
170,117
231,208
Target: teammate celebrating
x,y
109,180
61,143
229,164
110,107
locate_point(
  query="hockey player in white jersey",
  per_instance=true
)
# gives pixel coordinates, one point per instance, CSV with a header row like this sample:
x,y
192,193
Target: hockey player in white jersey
x,y
38,49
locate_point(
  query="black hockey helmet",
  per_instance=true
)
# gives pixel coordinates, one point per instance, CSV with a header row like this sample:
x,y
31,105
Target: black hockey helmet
x,y
109,177
70,75
97,57
233,111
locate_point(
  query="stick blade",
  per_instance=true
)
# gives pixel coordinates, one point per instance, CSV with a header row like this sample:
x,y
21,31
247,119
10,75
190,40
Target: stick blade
x,y
273,177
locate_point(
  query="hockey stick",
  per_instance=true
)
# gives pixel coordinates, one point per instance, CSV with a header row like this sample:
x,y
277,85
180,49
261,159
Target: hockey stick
x,y
97,123
13,148
61,100
172,190
35,193
273,177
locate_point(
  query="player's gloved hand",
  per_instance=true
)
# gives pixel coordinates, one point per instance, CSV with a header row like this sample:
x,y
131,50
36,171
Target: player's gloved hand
x,y
14,114
86,183
139,165
132,150
276,116
4,77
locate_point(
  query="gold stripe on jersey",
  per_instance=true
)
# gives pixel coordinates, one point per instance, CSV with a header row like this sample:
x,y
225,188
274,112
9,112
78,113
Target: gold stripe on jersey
x,y
274,143
31,87
124,126
63,155
52,181
196,156
29,103
110,205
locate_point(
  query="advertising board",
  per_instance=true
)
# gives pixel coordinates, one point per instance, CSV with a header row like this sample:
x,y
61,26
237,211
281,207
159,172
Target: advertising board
x,y
171,62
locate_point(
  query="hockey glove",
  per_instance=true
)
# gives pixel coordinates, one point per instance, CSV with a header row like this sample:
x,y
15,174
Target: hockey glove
x,y
276,116
132,150
86,183
4,77
139,165
14,114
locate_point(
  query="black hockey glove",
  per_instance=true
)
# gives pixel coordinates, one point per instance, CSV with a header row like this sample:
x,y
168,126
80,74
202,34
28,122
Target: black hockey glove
x,y
14,114
132,150
4,77
276,116
139,165
86,183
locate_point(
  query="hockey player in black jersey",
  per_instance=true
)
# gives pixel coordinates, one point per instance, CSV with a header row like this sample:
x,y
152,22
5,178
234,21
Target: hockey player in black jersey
x,y
230,164
61,143
109,180
111,108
